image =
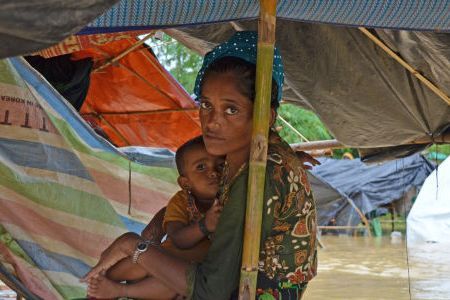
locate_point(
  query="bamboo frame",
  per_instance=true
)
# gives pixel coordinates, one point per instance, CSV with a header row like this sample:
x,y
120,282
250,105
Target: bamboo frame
x,y
124,53
258,151
338,227
109,125
334,144
144,112
407,66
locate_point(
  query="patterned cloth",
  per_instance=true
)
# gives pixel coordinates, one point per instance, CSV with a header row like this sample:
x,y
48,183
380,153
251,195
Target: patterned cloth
x,y
241,45
182,208
288,258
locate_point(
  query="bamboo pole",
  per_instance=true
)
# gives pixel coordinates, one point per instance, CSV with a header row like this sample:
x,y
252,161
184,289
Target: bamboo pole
x,y
334,144
407,66
258,151
337,227
144,112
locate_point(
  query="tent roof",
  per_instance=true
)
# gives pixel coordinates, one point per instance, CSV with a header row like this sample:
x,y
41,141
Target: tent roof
x,y
135,100
54,20
364,97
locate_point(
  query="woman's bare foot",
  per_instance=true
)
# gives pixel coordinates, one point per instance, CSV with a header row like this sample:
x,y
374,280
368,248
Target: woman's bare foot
x,y
101,287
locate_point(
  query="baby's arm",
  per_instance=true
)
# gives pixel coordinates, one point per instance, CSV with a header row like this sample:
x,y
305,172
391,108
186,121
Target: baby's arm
x,y
186,236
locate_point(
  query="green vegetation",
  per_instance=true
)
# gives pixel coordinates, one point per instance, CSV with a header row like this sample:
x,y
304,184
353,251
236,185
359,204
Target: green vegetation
x,y
180,61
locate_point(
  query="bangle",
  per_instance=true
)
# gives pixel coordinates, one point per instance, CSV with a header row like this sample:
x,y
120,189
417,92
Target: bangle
x,y
202,226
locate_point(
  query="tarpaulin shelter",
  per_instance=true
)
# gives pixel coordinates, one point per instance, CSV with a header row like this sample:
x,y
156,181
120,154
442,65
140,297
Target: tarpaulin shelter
x,y
129,97
66,193
339,185
363,96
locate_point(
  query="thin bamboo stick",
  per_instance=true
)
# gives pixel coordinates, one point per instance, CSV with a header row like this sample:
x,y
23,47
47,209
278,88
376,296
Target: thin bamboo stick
x,y
361,215
317,145
124,140
124,53
144,112
258,152
339,227
334,144
407,66
292,128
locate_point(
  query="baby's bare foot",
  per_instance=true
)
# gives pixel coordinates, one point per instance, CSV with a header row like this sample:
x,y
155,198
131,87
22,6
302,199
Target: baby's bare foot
x,y
101,287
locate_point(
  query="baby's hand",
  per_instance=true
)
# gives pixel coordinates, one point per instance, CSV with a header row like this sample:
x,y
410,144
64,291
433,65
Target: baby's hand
x,y
212,216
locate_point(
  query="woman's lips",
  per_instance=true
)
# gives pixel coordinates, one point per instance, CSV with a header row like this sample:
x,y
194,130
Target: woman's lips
x,y
213,137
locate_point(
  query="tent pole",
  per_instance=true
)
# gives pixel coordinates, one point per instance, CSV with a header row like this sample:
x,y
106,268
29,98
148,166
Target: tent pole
x,y
361,215
258,151
334,144
109,125
407,66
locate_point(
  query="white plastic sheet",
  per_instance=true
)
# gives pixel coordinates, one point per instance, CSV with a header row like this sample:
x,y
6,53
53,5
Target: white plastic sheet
x,y
429,219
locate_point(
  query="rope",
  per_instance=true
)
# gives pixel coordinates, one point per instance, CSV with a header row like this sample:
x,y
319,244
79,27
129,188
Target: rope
x,y
406,232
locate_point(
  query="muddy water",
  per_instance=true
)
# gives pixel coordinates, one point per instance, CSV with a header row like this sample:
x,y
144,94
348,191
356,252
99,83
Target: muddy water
x,y
376,268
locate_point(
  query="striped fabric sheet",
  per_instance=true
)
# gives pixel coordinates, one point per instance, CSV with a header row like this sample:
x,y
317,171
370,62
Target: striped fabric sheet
x,y
400,14
65,194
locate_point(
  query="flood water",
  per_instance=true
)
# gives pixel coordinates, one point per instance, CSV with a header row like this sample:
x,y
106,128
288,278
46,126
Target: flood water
x,y
377,268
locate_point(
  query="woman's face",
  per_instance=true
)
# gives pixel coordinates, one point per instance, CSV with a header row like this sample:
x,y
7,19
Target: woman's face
x,y
225,116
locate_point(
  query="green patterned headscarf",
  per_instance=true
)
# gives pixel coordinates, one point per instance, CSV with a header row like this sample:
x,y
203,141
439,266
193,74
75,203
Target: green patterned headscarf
x,y
243,45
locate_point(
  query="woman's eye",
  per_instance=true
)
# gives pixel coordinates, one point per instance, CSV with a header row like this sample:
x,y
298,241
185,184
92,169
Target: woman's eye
x,y
231,110
205,105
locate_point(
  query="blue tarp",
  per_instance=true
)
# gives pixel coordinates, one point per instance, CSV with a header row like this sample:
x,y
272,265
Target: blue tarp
x,y
400,14
368,186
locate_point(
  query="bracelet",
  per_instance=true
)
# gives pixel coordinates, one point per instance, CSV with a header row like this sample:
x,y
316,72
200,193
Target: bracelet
x,y
202,226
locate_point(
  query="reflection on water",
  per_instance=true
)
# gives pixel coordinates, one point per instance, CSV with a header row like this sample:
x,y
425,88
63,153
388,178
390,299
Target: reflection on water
x,y
376,268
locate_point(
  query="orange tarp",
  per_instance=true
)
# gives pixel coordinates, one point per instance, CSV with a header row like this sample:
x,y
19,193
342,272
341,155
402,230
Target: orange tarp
x,y
135,100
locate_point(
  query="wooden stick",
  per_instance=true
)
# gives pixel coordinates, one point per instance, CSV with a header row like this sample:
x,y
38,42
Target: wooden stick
x,y
144,112
334,144
258,151
407,66
339,227
317,145
124,140
361,215
124,53
292,128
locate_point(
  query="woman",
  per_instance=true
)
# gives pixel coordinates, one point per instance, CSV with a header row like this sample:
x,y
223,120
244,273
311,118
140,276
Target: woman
x,y
226,89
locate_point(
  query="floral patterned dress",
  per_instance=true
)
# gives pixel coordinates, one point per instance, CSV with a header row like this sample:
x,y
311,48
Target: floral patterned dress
x,y
288,257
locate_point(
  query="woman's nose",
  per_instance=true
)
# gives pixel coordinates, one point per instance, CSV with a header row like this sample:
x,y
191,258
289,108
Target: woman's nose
x,y
213,121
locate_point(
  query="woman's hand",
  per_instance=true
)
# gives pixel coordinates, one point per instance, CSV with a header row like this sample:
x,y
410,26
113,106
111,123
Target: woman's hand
x,y
122,247
306,158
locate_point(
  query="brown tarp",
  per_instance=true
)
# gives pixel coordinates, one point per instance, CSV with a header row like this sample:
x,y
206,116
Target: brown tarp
x,y
365,98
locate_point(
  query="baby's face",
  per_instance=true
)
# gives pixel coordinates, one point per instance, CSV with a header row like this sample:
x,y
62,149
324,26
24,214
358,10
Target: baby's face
x,y
203,171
